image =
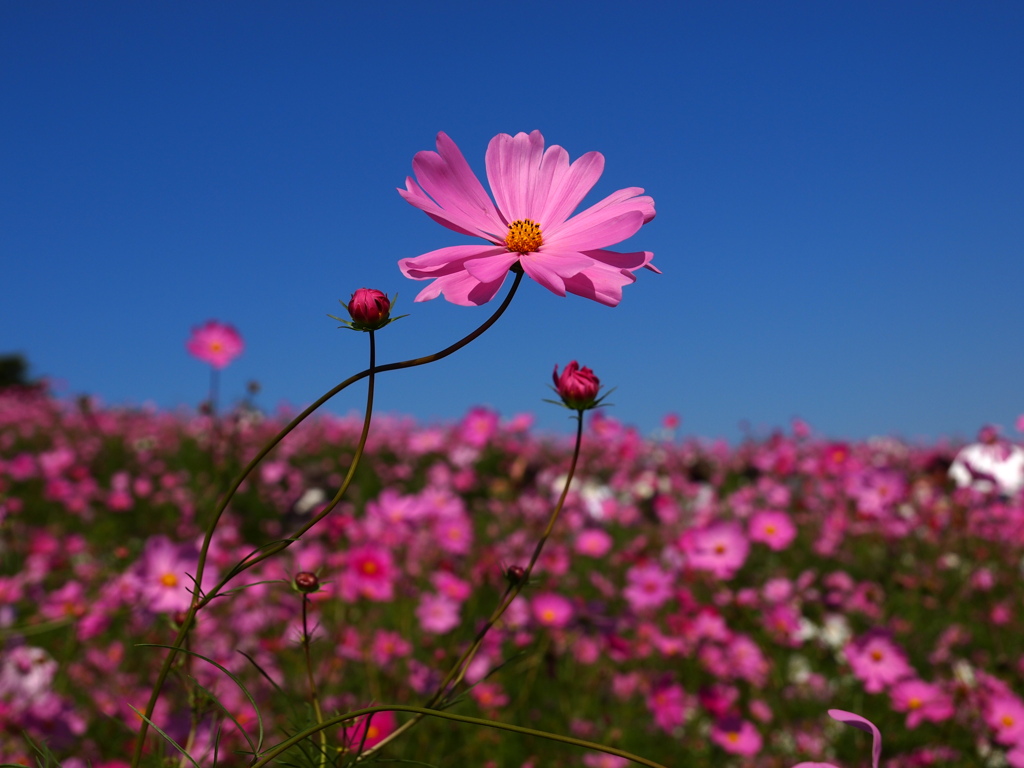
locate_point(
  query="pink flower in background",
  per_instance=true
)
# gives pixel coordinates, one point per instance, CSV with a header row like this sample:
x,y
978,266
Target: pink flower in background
x,y
593,542
370,572
877,662
164,572
437,614
536,191
720,548
669,704
738,737
215,343
921,701
551,610
365,736
775,529
647,587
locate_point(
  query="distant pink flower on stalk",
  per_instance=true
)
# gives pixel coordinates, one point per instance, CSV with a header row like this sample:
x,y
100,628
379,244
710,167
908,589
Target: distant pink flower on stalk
x,y
536,191
215,343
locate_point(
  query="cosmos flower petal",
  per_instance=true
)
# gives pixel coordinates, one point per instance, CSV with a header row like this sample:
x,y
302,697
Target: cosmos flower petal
x,y
541,271
593,231
570,184
513,170
461,202
461,288
601,285
445,260
630,261
492,267
850,718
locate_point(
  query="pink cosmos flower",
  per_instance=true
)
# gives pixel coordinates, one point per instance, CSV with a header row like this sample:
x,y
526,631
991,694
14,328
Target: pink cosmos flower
x,y
921,701
669,705
721,548
536,191
370,572
437,614
593,542
551,610
365,736
215,343
738,737
773,528
877,661
648,587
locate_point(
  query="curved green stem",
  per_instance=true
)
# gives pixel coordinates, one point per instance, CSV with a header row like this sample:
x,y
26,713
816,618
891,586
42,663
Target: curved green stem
x,y
421,712
317,710
198,602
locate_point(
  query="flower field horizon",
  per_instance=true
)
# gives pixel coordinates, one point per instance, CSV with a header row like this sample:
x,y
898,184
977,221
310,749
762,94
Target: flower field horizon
x,y
697,604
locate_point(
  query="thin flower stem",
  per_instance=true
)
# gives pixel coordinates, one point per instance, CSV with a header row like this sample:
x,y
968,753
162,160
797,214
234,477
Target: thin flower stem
x,y
198,602
421,712
458,670
312,681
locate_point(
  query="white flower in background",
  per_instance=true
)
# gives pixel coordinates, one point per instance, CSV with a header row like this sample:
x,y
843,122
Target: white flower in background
x,y
994,466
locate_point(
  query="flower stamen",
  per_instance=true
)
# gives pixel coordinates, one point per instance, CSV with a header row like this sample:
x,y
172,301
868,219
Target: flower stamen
x,y
523,236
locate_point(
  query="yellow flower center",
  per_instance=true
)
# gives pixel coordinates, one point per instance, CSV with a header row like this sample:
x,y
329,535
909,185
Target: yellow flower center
x,y
369,567
216,346
169,580
1007,720
523,236
914,703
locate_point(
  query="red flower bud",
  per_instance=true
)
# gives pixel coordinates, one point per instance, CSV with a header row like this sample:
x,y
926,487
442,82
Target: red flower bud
x,y
577,386
369,309
307,582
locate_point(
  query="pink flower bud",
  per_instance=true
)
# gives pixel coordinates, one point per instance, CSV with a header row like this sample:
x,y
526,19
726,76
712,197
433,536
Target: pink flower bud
x,y
369,309
576,386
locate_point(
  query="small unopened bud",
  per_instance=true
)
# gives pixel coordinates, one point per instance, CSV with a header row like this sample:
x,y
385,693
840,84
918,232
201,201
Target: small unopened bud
x,y
369,309
307,582
178,619
515,574
577,386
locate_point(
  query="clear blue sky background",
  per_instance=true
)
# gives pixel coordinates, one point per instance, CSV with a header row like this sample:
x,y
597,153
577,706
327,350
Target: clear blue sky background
x,y
839,185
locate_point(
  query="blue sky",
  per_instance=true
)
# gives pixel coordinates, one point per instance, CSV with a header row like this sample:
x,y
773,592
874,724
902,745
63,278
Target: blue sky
x,y
839,186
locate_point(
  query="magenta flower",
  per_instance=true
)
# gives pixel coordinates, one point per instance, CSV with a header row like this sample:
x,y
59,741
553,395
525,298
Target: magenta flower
x,y
721,548
921,701
536,191
552,610
737,736
647,587
877,662
773,528
215,343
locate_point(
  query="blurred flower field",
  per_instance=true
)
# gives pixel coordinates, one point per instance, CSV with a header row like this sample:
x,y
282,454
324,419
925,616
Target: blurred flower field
x,y
698,604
